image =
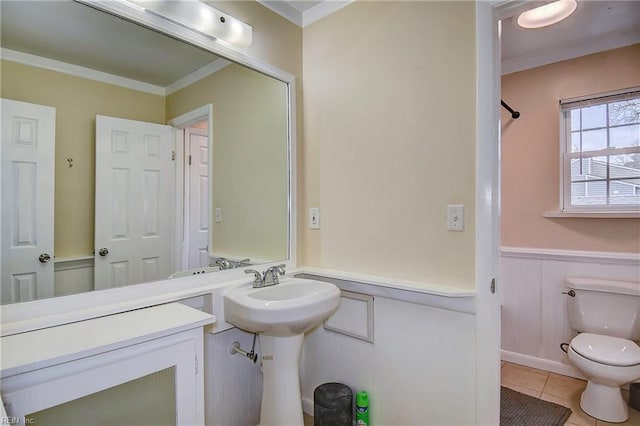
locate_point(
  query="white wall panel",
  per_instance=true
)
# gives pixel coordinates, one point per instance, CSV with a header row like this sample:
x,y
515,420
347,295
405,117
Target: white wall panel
x,y
533,280
233,383
73,275
419,371
520,282
354,316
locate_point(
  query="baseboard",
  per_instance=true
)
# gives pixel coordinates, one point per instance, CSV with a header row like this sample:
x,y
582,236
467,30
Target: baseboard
x,y
541,364
307,405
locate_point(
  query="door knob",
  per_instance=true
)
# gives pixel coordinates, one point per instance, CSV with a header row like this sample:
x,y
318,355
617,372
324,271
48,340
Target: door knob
x,y
103,251
44,257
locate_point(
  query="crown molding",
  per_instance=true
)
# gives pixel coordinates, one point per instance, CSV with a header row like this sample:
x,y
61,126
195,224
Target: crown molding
x,y
283,9
103,77
78,71
321,10
309,16
207,70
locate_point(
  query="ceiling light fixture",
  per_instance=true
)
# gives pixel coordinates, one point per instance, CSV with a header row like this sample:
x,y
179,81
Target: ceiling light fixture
x,y
203,18
548,14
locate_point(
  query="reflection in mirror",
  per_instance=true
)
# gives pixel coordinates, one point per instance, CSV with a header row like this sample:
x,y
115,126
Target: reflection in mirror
x,y
89,164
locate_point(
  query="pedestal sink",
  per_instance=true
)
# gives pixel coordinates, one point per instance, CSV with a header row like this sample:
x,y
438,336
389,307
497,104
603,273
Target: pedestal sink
x,y
281,314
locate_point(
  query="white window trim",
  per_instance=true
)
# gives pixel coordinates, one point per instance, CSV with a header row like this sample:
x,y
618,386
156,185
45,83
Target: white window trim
x,y
566,210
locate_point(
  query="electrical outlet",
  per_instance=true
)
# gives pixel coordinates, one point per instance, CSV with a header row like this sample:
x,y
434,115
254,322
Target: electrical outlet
x,y
314,218
455,217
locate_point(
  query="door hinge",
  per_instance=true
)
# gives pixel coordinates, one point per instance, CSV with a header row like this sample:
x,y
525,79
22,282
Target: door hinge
x,y
196,365
189,160
493,285
173,156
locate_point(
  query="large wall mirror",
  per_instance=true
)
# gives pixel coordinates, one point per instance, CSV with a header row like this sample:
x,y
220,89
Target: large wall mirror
x,y
130,156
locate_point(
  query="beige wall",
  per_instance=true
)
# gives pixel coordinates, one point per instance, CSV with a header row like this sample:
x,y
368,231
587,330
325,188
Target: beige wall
x,y
276,41
389,99
530,153
249,173
77,101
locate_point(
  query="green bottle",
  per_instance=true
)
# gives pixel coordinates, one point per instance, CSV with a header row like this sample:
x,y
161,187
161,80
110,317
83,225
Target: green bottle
x,y
362,409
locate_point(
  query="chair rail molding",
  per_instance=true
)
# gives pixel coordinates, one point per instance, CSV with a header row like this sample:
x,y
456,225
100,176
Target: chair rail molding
x,y
609,257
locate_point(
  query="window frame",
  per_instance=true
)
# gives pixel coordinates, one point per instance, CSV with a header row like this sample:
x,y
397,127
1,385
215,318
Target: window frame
x,y
566,155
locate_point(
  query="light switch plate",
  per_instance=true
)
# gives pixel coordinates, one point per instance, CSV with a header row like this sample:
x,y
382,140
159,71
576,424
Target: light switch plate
x,y
218,215
455,217
314,218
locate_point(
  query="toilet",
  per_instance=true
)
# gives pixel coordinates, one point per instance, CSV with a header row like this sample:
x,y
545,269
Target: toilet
x,y
606,314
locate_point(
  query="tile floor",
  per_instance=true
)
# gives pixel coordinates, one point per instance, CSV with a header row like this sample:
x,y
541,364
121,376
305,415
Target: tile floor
x,y
562,390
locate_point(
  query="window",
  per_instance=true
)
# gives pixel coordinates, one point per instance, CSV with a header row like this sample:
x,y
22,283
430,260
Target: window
x,y
601,152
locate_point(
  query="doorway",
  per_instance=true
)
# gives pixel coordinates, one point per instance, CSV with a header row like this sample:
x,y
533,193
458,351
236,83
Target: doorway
x,y
196,196
193,186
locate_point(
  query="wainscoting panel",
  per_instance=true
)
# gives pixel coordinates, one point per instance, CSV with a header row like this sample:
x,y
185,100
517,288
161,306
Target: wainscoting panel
x,y
420,369
522,311
233,383
73,275
535,320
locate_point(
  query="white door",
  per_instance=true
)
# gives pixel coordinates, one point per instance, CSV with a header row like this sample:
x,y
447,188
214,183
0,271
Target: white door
x,y
28,153
487,215
134,202
196,197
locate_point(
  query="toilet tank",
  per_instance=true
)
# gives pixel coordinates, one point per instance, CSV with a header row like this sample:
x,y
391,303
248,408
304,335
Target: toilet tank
x,y
607,307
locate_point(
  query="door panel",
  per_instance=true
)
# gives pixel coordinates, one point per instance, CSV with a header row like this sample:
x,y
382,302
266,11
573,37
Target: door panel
x,y
134,202
28,152
198,199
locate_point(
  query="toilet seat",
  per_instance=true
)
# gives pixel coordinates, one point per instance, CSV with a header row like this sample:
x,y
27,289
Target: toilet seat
x,y
608,350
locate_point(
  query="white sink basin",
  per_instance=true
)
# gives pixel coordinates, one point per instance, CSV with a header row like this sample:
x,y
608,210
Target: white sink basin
x,y
292,307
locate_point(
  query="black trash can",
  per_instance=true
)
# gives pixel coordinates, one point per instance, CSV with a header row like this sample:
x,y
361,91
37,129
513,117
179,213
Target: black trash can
x,y
333,405
634,396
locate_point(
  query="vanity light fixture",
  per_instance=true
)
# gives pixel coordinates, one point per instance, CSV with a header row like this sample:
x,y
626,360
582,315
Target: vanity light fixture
x,y
548,14
200,17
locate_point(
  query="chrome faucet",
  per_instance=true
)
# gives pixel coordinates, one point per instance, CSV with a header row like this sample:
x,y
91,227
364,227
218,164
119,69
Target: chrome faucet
x,y
222,263
243,262
271,275
269,278
258,281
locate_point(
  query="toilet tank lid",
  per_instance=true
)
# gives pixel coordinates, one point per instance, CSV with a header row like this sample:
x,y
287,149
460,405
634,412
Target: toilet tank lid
x,y
601,284
607,349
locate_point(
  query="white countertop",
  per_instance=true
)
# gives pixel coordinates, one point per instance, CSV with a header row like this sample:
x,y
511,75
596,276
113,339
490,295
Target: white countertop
x,y
50,346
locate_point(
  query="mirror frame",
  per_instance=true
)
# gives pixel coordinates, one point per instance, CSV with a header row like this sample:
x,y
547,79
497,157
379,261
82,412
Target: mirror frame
x,y
49,312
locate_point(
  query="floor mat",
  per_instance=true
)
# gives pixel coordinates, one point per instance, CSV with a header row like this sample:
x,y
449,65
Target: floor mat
x,y
518,409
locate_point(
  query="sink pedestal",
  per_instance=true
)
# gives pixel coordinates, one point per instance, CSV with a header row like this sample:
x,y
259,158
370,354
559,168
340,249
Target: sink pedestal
x,y
281,314
281,400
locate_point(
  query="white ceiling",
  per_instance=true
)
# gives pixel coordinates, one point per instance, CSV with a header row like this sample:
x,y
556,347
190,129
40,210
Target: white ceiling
x,y
74,33
595,26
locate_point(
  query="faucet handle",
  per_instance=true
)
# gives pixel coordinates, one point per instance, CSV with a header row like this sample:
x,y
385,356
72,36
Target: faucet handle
x,y
243,262
271,274
257,277
222,263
